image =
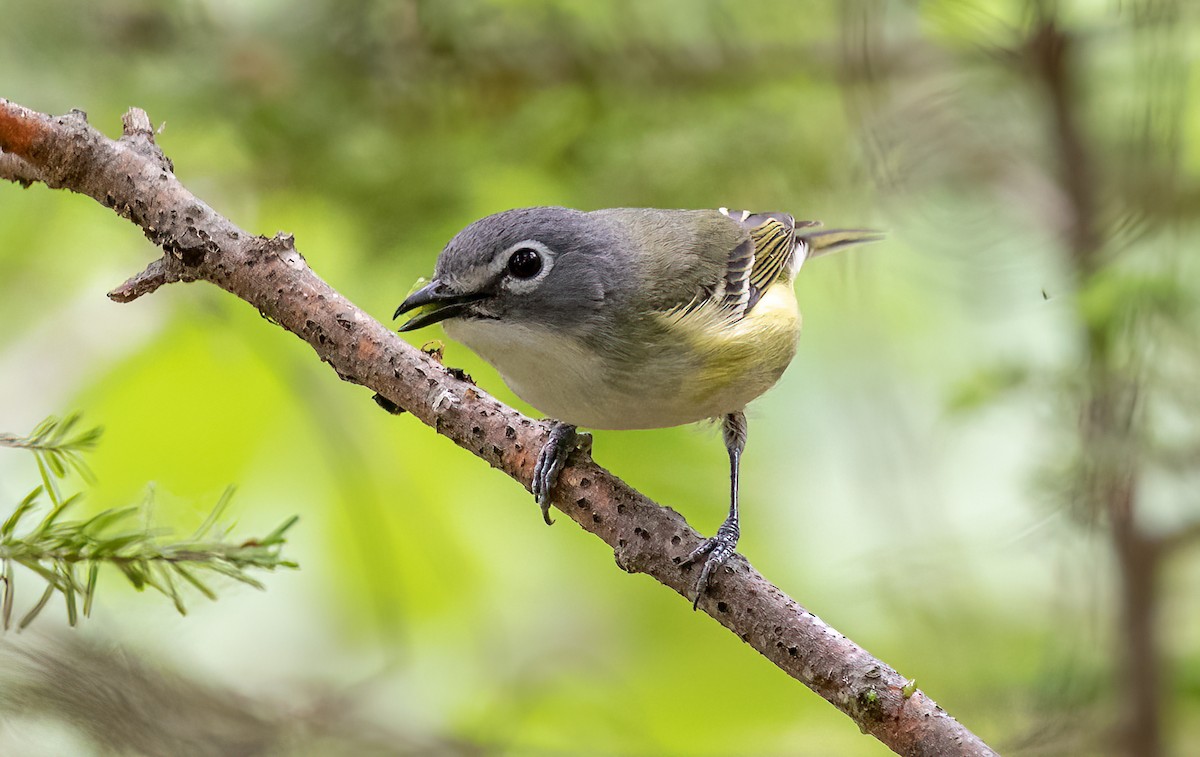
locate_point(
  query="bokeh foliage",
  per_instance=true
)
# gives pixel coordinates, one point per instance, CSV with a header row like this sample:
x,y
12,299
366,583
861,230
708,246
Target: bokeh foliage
x,y
939,539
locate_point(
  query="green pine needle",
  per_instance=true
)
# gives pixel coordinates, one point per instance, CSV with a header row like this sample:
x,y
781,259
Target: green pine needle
x,y
56,547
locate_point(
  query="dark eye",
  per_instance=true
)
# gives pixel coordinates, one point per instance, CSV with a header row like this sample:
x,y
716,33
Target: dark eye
x,y
525,263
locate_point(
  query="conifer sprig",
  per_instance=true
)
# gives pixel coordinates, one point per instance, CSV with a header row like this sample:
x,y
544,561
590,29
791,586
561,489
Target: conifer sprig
x,y
67,553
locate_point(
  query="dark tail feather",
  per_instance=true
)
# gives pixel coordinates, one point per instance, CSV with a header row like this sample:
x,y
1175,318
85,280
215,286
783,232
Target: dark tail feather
x,y
823,242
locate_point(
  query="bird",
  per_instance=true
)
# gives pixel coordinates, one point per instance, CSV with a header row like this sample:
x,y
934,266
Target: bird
x,y
629,318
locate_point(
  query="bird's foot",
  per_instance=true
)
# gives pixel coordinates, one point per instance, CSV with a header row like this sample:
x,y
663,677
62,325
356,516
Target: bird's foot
x,y
715,551
550,463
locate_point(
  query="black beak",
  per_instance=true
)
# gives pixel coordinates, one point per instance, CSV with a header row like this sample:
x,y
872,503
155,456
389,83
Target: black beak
x,y
443,301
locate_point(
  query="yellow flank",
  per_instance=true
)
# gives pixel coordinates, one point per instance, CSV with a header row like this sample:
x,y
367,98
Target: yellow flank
x,y
705,363
738,360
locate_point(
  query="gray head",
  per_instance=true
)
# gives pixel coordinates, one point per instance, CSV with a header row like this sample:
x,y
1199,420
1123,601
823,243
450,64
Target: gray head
x,y
545,266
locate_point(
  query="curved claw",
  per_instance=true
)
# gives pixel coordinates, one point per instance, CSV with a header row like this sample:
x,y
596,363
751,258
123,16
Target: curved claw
x,y
550,462
718,548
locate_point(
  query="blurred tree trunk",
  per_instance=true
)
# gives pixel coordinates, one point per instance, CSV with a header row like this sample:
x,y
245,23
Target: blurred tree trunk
x,y
1110,457
1108,91
1110,486
1140,680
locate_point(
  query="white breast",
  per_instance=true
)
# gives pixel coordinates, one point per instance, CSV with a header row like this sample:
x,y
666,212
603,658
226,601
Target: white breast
x,y
565,380
556,374
670,384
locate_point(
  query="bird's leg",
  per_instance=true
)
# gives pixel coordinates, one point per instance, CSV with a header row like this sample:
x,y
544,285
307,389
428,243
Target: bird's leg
x,y
550,462
721,546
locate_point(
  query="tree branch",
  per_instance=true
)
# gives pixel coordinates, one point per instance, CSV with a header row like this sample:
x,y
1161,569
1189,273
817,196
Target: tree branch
x,y
1179,538
131,176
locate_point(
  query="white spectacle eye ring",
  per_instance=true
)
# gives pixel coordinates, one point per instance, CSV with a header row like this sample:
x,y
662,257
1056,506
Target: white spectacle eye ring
x,y
524,265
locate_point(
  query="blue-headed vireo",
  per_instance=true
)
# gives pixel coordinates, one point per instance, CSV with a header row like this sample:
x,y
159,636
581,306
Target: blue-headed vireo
x,y
629,318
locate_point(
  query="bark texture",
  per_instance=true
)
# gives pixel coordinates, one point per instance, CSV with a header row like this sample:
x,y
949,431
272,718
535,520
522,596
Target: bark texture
x,y
133,177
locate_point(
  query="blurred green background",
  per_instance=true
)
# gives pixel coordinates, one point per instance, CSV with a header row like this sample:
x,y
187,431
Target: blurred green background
x,y
914,479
